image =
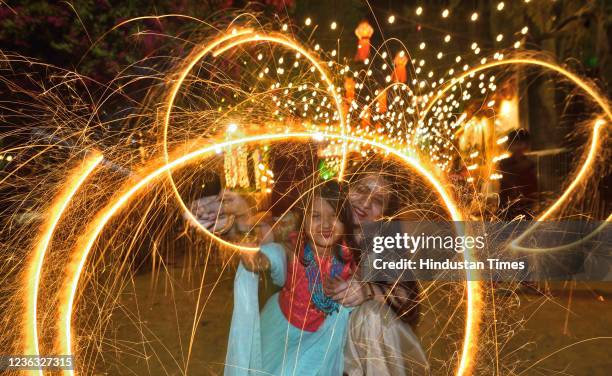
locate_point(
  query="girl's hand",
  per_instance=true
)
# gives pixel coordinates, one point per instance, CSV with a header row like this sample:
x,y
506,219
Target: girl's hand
x,y
254,261
348,293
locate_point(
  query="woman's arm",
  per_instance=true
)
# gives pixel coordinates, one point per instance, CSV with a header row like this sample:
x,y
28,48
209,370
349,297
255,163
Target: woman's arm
x,y
232,216
401,297
350,293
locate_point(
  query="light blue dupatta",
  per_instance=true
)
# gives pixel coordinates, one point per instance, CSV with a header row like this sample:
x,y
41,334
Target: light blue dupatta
x,y
244,345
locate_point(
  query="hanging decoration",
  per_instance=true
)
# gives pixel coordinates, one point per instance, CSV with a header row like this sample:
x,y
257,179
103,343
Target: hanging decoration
x,y
263,175
236,168
349,89
399,64
364,32
236,161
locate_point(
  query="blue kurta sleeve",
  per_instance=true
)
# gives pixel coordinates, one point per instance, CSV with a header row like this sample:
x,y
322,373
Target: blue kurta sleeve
x,y
278,262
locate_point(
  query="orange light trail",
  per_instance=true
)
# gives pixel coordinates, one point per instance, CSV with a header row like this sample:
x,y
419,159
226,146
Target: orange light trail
x,y
473,304
580,176
170,102
233,38
242,36
584,170
281,40
32,276
97,225
595,138
603,103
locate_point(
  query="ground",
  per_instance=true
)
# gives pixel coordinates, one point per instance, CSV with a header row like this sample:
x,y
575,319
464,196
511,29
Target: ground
x,y
152,333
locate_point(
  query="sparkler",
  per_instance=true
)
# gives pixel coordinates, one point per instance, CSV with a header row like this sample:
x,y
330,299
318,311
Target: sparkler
x,y
33,276
83,250
419,128
243,36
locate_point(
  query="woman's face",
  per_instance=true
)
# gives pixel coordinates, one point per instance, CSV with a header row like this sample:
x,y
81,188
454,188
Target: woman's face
x,y
323,227
369,197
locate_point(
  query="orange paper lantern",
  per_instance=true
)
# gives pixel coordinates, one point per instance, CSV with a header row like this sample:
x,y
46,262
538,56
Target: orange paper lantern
x,y
399,64
349,88
363,32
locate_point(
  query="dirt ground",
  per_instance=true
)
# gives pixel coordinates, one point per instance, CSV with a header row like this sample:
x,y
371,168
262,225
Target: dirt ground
x,y
176,323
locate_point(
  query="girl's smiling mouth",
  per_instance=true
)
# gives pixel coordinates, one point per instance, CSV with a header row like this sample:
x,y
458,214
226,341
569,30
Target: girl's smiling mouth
x,y
327,234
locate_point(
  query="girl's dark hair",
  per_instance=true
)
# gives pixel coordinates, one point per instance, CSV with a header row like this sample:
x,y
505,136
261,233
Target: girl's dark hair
x,y
335,194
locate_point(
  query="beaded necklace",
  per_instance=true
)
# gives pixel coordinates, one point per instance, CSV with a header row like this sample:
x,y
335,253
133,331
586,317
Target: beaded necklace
x,y
323,302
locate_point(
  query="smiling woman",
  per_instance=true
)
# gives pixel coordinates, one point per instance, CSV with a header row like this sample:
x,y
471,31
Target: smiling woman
x,y
381,340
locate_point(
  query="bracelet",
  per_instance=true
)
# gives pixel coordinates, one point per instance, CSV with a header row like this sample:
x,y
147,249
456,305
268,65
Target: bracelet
x,y
224,230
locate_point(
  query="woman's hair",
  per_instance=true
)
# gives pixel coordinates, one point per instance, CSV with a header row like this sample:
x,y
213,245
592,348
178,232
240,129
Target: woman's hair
x,y
335,194
401,296
410,196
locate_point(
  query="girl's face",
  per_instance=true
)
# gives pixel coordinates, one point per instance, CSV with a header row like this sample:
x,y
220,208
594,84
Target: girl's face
x,y
369,197
323,227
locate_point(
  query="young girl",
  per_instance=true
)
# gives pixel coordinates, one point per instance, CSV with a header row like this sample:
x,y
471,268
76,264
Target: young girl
x,y
301,330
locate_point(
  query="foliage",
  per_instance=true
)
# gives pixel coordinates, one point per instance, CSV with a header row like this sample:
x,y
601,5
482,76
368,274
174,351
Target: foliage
x,y
83,34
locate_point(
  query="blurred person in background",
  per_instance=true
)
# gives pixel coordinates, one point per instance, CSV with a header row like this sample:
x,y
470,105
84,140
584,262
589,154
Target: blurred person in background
x,y
519,184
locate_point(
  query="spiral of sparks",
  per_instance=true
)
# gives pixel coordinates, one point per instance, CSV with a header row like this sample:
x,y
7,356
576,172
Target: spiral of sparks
x,y
155,170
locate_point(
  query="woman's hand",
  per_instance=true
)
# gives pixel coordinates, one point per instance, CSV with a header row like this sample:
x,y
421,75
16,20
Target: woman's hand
x,y
230,214
348,293
209,214
218,213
